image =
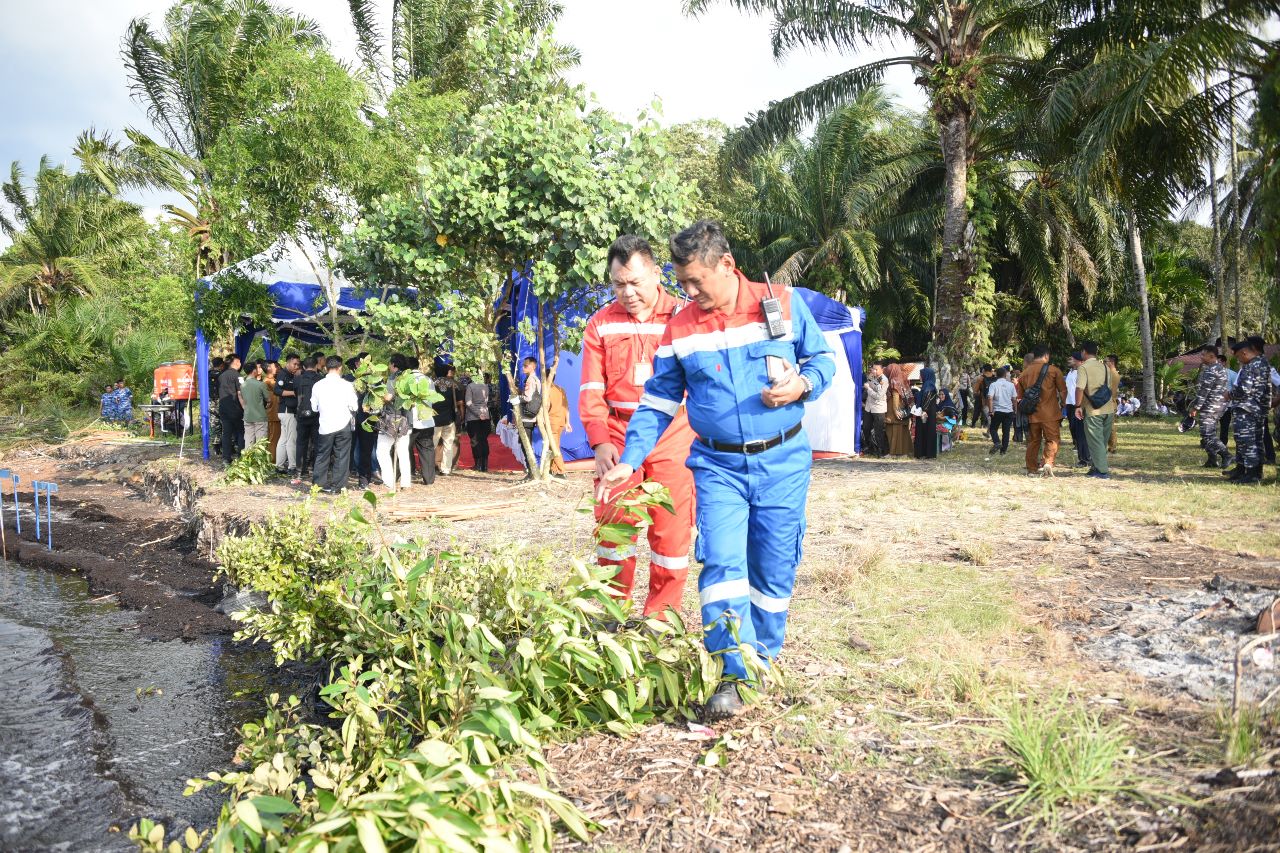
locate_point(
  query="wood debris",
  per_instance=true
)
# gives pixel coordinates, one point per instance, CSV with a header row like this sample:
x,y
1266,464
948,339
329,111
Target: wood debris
x,y
406,510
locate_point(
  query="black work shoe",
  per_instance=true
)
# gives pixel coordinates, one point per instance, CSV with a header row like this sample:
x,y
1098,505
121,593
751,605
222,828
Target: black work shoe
x,y
1224,459
1235,473
1211,462
725,703
1251,475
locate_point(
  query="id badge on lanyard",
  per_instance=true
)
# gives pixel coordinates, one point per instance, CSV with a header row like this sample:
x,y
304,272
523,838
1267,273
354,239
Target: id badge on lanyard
x,y
641,373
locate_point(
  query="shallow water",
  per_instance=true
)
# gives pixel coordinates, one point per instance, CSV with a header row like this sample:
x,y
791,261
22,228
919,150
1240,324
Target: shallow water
x,y
99,726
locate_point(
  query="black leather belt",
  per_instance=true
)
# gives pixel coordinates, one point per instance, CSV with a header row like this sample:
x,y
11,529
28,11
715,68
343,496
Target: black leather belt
x,y
751,448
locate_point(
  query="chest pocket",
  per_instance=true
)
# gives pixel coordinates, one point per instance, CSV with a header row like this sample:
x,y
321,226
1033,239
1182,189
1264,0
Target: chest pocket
x,y
709,379
761,351
618,362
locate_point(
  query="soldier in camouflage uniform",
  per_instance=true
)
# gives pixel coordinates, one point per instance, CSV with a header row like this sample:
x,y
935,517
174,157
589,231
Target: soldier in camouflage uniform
x,y
1209,404
1250,402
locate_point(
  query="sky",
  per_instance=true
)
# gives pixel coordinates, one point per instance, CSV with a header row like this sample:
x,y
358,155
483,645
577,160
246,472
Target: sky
x,y
60,60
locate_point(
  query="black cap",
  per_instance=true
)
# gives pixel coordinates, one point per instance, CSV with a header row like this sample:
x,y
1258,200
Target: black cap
x,y
1236,346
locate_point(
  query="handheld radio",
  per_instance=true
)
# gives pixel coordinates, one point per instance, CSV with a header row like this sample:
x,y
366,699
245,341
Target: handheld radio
x,y
771,307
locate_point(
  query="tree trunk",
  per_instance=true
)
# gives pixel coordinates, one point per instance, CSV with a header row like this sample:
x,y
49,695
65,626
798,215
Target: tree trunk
x,y
1064,307
1235,202
1144,320
1220,320
949,347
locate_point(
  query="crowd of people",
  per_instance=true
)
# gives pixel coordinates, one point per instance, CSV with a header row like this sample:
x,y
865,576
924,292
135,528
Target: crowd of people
x,y
319,429
903,416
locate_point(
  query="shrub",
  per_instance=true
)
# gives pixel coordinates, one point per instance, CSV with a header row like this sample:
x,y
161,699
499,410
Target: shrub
x,y
254,467
448,672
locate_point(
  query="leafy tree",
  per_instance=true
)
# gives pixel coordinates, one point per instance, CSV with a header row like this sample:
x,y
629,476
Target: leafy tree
x,y
543,185
191,77
62,228
291,168
1131,78
958,49
430,40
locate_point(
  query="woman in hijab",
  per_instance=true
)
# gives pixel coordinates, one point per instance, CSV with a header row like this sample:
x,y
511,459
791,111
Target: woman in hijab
x,y
897,420
927,424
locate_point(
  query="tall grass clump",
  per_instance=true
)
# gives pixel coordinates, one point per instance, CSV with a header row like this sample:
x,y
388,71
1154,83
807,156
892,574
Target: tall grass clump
x,y
1061,755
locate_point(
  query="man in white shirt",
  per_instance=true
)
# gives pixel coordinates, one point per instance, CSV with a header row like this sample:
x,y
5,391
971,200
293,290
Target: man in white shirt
x,y
334,400
1000,400
1069,411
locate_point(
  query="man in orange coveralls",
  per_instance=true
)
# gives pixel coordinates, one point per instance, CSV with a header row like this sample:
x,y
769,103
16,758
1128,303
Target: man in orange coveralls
x,y
617,358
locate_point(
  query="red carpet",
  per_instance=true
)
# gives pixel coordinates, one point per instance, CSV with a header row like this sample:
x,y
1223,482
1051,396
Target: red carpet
x,y
502,459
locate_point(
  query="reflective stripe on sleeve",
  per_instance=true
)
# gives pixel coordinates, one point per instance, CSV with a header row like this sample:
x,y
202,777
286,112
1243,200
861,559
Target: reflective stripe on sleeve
x,y
591,386
724,591
670,407
768,603
625,406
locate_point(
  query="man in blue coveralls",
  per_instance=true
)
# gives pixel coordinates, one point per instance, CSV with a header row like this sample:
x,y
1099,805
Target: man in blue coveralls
x,y
746,386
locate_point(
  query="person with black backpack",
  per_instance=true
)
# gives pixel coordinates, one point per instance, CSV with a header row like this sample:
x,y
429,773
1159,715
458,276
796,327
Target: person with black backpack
x,y
307,418
1042,391
1097,388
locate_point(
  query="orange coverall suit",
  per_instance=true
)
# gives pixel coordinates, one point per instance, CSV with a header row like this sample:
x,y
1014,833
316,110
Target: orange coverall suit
x,y
617,359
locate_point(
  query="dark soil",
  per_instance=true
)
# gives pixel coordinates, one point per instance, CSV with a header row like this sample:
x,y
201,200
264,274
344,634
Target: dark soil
x,y
652,792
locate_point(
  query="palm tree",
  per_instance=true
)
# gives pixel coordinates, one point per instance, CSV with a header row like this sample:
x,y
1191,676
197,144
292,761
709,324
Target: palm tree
x,y
59,228
957,49
833,212
190,79
428,38
1131,77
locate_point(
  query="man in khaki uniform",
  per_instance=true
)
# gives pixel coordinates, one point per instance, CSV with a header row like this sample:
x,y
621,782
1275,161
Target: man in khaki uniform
x,y
1098,420
1046,419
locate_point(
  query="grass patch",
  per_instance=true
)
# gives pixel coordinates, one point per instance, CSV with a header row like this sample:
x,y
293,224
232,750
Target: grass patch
x,y
1244,738
854,563
1061,755
978,553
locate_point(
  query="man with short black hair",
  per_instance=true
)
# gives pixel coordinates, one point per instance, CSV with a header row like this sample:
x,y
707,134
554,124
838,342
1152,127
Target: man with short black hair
x,y
286,389
307,420
253,393
618,346
1250,402
747,381
231,409
1001,396
334,401
1044,419
875,405
1098,417
1209,404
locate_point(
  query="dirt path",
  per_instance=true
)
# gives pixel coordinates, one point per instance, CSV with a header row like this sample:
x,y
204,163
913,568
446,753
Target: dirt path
x,y
933,597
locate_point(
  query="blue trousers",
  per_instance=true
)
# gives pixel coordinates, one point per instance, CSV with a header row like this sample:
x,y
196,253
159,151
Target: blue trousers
x,y
751,521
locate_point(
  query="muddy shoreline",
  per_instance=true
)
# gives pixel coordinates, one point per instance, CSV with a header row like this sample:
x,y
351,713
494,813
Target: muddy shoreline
x,y
131,526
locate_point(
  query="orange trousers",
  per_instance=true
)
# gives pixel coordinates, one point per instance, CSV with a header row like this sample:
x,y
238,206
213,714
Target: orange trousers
x,y
669,535
1051,435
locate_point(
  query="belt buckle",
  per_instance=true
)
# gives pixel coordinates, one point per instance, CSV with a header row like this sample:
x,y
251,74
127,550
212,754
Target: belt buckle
x,y
751,448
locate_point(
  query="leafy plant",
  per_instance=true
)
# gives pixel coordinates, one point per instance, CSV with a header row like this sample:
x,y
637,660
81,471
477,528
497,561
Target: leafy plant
x,y
254,467
448,671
